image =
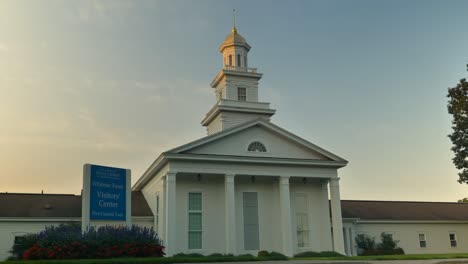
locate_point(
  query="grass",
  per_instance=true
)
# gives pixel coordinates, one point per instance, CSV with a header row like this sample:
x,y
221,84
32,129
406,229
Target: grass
x,y
233,259
146,260
396,257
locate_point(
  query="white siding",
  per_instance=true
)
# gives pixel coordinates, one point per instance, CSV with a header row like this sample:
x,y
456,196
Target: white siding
x,y
216,125
277,146
231,119
318,213
156,186
212,213
437,236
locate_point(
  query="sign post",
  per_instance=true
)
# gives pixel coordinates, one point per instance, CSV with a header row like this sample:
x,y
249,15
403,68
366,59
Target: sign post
x,y
106,197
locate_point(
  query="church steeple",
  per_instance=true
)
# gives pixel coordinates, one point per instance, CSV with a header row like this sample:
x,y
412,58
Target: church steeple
x,y
236,88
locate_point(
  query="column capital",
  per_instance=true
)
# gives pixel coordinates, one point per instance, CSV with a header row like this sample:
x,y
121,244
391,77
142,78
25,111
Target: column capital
x,y
334,181
284,179
229,177
171,176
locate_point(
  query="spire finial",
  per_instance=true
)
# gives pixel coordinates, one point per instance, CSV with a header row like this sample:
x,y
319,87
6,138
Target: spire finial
x,y
234,30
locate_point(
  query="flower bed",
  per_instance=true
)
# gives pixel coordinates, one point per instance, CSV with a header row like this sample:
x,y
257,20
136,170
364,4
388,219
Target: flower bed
x,y
67,242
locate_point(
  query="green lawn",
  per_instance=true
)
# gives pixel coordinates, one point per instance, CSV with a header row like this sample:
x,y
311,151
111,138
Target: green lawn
x,y
398,257
231,259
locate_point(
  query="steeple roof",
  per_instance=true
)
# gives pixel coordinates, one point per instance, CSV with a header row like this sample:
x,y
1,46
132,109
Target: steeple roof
x,y
234,39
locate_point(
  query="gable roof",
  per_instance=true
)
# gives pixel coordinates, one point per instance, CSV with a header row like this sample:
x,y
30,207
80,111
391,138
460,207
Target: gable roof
x,y
257,122
56,205
162,159
404,210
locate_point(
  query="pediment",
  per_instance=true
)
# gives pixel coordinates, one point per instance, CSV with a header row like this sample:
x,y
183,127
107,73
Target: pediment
x,y
278,142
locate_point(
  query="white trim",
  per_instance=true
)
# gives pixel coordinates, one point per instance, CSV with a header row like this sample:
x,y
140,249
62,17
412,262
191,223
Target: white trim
x,y
262,122
250,159
202,222
175,153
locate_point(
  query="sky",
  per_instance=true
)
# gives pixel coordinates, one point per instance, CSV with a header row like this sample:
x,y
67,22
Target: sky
x,y
118,82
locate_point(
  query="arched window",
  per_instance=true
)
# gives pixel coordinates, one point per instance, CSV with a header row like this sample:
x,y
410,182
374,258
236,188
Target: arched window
x,y
256,146
238,62
230,60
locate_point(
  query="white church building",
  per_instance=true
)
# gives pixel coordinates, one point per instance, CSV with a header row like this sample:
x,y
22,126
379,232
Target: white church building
x,y
250,185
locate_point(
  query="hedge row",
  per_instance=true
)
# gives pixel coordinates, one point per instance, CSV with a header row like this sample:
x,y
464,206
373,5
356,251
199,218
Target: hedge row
x,y
68,242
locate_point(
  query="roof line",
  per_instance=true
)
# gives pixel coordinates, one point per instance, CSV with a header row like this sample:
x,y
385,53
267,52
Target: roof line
x,y
48,194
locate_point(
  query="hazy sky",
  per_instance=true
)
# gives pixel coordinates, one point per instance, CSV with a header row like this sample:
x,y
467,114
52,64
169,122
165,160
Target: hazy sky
x,y
118,82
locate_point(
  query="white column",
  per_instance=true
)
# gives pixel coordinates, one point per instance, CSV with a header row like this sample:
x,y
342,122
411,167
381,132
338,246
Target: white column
x,y
350,239
337,221
285,207
170,238
327,240
353,247
230,214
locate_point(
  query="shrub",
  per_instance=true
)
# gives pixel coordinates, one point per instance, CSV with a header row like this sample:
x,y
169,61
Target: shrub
x,y
365,242
387,246
313,254
189,255
276,256
21,244
271,255
67,242
330,254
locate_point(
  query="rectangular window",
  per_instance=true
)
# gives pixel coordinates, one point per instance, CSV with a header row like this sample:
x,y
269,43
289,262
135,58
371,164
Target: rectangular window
x,y
422,240
453,240
241,94
238,64
302,220
195,221
251,234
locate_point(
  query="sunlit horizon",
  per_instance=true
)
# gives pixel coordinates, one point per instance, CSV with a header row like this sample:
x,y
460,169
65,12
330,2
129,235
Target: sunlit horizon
x,y
117,82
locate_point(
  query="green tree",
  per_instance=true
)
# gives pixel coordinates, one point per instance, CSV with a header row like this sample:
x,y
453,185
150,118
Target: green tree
x,y
458,108
464,200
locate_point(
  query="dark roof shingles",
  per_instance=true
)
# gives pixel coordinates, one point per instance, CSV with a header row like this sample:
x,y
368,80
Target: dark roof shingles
x,y
404,211
56,205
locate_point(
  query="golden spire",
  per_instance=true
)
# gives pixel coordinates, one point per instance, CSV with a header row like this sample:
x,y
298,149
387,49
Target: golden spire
x,y
234,30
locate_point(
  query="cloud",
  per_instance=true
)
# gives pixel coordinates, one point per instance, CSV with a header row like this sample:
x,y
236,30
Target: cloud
x,y
103,11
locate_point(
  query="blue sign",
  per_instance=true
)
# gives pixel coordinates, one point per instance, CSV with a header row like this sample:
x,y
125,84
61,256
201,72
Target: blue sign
x,y
107,193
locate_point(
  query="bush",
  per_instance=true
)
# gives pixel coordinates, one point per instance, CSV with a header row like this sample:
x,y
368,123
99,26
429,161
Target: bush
x,y
189,255
313,254
331,254
365,242
276,256
67,242
387,246
21,244
271,255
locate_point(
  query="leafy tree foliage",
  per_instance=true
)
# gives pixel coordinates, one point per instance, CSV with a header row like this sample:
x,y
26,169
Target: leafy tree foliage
x,y
458,108
464,200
